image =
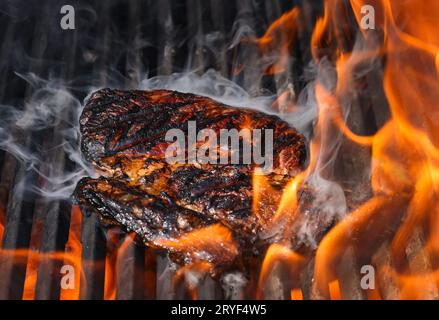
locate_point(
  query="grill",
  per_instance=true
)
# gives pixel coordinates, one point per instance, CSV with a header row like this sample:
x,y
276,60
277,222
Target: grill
x,y
115,44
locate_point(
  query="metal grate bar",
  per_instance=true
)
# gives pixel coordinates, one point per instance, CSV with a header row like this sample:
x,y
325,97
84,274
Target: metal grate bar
x,y
19,212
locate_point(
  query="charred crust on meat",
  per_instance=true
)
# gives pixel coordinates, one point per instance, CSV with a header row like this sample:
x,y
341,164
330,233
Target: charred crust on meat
x,y
123,136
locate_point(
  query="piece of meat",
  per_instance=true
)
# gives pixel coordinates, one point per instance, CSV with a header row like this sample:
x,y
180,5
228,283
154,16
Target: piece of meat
x,y
149,216
156,221
175,206
119,123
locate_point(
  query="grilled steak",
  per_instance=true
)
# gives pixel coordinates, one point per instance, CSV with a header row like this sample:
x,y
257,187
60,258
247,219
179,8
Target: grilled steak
x,y
166,204
118,123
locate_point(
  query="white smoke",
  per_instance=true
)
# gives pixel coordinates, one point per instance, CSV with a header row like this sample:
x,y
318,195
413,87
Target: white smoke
x,y
211,84
52,111
53,108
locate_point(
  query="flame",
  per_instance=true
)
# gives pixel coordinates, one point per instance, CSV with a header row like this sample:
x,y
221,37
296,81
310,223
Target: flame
x,y
318,35
204,250
296,294
277,41
74,250
212,242
111,264
405,151
289,201
334,290
403,207
32,258
278,253
32,262
2,223
331,31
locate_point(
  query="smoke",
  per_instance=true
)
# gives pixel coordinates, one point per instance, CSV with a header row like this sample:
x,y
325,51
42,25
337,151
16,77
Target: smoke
x,y
52,110
50,114
211,84
233,284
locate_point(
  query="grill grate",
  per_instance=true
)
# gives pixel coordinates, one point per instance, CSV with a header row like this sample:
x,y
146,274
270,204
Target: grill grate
x,y
114,43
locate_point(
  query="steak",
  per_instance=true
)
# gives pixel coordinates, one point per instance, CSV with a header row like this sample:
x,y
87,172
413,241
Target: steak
x,y
117,123
197,211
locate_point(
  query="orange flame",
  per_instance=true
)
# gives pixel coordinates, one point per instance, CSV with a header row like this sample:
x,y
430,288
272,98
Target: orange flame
x,y
275,44
73,254
265,198
277,253
277,41
32,258
296,294
215,241
2,223
331,31
111,263
404,158
334,290
32,262
404,152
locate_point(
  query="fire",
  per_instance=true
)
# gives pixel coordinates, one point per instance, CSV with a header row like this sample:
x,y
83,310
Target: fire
x,y
275,44
331,32
276,254
74,249
296,294
399,218
277,40
334,290
32,262
72,256
2,223
32,258
209,243
404,152
111,263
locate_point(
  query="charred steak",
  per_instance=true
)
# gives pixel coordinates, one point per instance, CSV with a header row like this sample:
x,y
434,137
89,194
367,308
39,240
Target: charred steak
x,y
165,204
